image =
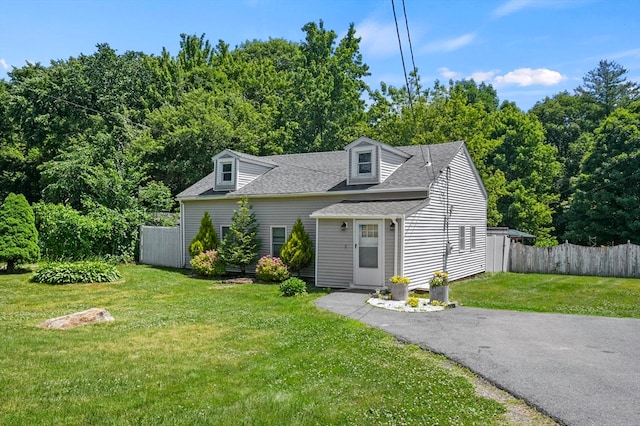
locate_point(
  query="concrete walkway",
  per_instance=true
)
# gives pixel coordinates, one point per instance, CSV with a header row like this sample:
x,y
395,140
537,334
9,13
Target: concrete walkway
x,y
580,370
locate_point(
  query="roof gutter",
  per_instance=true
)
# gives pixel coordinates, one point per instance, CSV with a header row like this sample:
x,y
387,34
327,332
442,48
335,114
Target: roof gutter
x,y
235,195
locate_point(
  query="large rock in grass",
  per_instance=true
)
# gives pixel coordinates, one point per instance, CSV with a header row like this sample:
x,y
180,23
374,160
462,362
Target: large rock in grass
x,y
89,316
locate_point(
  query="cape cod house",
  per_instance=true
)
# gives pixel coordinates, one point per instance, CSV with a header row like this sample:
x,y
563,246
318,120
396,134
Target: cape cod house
x,y
372,210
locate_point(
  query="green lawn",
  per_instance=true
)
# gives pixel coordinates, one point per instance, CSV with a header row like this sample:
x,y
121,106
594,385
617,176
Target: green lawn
x,y
188,351
569,294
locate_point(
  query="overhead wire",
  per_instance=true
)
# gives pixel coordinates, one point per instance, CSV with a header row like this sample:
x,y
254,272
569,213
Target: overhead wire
x,y
413,62
404,67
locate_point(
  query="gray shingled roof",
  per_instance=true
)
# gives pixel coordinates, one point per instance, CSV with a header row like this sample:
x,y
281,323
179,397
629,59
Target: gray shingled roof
x,y
327,172
364,209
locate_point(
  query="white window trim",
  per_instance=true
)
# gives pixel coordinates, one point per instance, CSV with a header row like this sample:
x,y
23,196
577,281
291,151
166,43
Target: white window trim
x,y
354,162
271,237
219,171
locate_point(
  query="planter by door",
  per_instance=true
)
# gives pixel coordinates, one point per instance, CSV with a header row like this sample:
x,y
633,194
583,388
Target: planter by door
x,y
399,291
440,293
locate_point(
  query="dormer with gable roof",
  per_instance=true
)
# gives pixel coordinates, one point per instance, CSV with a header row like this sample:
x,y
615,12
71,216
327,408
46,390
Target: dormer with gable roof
x,y
371,162
233,170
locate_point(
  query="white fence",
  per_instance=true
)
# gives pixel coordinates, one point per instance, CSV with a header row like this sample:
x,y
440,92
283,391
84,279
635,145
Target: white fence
x,y
497,253
160,246
617,261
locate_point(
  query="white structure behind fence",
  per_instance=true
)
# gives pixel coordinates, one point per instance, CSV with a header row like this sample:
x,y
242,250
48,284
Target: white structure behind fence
x,y
160,246
617,261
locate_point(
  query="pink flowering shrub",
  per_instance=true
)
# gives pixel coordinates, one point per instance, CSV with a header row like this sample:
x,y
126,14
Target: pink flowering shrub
x,y
208,264
271,269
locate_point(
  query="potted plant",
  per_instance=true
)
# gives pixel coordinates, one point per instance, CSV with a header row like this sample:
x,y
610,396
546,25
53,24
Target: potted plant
x,y
399,287
439,287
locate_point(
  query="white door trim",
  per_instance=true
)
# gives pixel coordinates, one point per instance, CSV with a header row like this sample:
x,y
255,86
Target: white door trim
x,y
368,277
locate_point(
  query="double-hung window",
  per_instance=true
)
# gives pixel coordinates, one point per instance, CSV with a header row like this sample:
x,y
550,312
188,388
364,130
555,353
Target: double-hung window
x,y
278,238
365,163
227,172
224,230
472,237
461,239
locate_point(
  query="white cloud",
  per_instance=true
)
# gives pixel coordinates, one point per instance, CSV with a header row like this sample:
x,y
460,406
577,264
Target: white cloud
x,y
4,64
378,39
480,76
513,6
449,44
529,77
447,73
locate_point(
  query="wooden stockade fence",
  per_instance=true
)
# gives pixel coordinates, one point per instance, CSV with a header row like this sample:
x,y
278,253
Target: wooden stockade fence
x,y
616,261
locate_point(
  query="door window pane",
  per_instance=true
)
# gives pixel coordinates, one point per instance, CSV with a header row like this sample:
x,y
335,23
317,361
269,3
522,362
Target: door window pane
x,y
368,246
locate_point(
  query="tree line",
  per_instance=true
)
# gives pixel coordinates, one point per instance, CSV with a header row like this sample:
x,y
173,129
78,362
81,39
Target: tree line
x,y
117,136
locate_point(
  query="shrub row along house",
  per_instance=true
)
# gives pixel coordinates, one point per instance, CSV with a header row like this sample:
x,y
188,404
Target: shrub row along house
x,y
372,210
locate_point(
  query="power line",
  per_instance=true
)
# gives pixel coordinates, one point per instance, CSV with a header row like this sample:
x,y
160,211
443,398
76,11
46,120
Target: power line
x,y
413,62
404,68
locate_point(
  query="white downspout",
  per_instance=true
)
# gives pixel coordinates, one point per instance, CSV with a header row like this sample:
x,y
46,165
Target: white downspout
x,y
183,260
395,246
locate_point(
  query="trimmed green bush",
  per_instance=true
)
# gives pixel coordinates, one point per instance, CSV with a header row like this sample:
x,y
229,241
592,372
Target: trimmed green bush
x,y
297,251
208,264
293,287
207,238
77,272
271,269
18,234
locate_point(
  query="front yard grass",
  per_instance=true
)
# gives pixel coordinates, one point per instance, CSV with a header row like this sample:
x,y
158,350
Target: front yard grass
x,y
189,351
568,294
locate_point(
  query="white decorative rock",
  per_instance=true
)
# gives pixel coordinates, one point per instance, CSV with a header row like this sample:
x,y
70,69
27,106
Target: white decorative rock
x,y
89,316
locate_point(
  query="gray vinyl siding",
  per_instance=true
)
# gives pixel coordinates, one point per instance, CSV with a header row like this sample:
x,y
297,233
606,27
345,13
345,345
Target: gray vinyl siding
x,y
247,172
335,254
425,241
269,212
389,163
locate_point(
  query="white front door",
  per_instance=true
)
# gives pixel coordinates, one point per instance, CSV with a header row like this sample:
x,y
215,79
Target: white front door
x,y
368,253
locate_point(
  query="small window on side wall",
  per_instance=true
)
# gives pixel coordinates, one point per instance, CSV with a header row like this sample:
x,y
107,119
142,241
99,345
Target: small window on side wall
x,y
278,238
472,237
461,239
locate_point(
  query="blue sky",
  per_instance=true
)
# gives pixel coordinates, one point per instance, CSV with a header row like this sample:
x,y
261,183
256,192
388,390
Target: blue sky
x,y
527,49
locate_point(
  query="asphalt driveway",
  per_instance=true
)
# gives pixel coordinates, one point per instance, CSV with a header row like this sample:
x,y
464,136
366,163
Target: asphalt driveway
x,y
580,370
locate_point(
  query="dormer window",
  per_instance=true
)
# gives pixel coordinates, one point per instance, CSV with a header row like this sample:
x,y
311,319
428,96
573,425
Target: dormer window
x,y
364,163
226,174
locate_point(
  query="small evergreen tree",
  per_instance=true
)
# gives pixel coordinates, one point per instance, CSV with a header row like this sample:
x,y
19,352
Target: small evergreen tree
x,y
297,251
240,246
18,234
207,238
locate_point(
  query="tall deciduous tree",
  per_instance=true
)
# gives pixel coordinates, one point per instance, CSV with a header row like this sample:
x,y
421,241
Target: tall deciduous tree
x,y
18,234
240,246
297,251
606,202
